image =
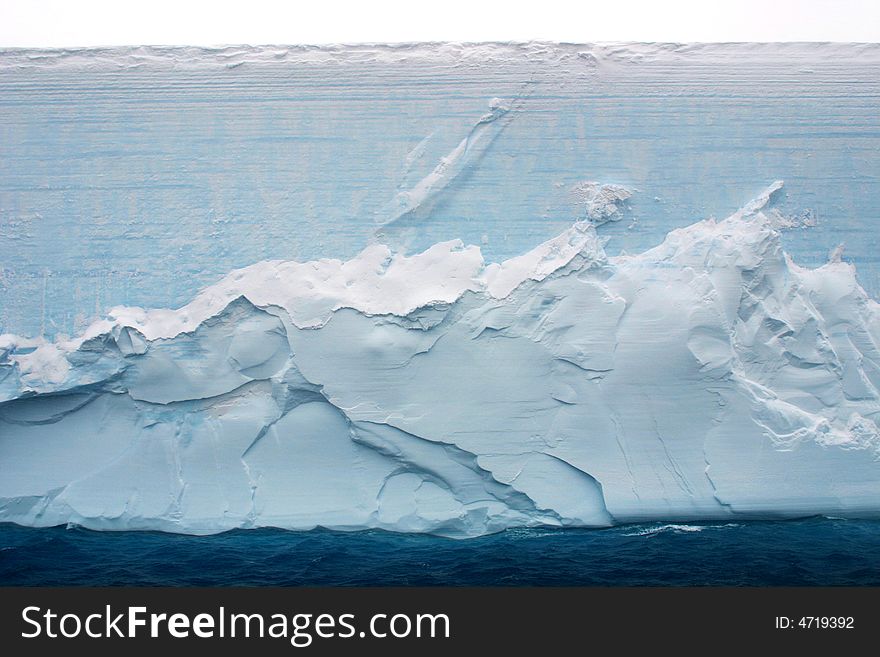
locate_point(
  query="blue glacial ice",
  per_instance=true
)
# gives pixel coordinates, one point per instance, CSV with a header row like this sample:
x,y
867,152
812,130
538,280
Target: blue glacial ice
x,y
402,355
708,377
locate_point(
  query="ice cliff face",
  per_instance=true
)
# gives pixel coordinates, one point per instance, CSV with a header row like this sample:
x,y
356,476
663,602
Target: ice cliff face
x,y
139,176
708,377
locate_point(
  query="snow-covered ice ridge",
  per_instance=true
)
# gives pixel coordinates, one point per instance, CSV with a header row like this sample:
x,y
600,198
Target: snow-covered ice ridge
x,y
708,377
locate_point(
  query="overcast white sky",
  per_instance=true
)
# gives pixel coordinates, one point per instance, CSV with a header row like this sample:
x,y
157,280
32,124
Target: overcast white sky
x,y
212,22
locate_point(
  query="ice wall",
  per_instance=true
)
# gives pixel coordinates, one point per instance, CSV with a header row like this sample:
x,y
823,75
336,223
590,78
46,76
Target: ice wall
x,y
303,286
138,176
708,377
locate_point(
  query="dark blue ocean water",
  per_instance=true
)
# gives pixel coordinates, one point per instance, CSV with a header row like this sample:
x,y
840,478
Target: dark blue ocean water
x,y
816,551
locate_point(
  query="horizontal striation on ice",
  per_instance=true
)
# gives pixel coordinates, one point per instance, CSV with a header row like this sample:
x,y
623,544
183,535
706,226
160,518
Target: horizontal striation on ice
x,y
708,377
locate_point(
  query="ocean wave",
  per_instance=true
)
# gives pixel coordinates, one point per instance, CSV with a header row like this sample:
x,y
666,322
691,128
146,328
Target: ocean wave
x,y
678,528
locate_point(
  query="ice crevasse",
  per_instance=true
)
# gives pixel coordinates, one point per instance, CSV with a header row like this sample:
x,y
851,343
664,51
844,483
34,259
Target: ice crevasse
x,y
709,377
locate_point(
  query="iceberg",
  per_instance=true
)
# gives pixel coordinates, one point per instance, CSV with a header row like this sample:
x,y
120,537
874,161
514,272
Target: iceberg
x,y
708,377
402,355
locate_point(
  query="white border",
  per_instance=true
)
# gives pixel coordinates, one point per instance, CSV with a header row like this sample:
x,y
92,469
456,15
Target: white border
x,y
71,23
